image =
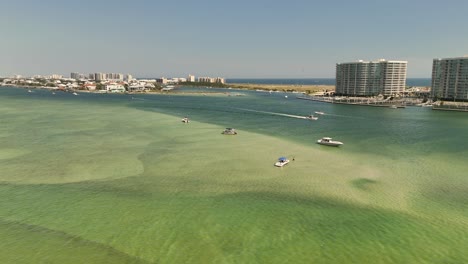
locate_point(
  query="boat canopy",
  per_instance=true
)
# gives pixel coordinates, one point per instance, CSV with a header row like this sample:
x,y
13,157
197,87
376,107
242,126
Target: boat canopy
x,y
282,159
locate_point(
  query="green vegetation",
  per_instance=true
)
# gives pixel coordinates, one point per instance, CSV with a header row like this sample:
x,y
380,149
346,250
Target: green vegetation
x,y
204,84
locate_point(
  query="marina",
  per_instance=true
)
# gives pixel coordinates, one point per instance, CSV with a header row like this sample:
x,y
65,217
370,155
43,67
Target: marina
x,y
401,103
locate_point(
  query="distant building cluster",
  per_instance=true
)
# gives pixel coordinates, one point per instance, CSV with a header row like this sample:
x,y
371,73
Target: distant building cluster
x,y
102,82
359,78
371,78
211,80
99,76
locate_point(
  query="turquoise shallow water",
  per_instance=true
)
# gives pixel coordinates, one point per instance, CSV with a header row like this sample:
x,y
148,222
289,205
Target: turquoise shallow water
x,y
118,178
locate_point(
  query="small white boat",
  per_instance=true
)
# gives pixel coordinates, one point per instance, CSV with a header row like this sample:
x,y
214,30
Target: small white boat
x,y
319,112
311,117
327,141
74,93
281,162
229,131
393,107
29,91
185,120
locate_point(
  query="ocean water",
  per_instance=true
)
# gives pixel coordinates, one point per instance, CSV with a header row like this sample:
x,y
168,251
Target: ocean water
x,y
316,81
100,178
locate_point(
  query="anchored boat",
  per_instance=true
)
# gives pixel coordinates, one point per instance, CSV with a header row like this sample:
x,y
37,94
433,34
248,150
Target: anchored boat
x,y
281,162
327,141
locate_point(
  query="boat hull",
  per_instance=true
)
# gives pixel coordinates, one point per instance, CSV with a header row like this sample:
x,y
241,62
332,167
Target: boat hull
x,y
281,164
332,143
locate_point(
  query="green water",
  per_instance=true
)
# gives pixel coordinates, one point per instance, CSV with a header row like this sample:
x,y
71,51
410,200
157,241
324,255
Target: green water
x,y
115,179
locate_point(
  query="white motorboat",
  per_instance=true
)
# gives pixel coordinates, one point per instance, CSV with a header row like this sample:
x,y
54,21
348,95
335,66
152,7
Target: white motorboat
x,y
229,131
319,112
281,162
74,93
311,117
393,107
29,91
327,141
185,120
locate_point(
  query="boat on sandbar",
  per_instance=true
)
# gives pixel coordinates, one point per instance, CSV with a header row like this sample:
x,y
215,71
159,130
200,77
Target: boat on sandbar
x,y
229,131
281,162
327,141
185,120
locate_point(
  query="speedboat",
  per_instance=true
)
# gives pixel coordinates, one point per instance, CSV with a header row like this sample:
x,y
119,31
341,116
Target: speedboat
x,y
229,131
319,112
311,117
281,162
327,141
74,93
185,120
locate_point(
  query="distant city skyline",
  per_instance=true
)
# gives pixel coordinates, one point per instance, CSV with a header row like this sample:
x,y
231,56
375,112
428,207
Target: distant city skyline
x,y
236,39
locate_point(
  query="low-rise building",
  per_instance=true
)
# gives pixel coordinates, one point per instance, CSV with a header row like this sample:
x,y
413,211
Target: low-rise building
x,y
115,88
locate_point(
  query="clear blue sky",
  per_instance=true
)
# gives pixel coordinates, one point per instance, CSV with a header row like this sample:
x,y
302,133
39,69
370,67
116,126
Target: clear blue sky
x,y
241,38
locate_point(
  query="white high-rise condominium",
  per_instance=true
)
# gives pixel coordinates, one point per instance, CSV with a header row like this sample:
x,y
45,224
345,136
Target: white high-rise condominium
x,y
369,78
75,75
98,76
450,78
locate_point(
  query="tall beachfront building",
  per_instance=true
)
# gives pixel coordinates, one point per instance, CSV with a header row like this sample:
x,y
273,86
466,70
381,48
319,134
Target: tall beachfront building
x,y
450,78
368,78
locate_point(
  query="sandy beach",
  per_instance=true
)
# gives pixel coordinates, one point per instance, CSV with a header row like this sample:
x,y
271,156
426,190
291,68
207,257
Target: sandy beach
x,y
283,87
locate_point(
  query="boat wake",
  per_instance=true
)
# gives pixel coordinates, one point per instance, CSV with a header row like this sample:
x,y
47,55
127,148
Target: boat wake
x,y
346,116
273,113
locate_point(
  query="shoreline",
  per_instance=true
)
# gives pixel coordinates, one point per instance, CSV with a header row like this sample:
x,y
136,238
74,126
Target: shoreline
x,y
283,87
308,89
